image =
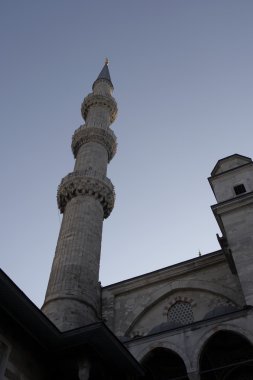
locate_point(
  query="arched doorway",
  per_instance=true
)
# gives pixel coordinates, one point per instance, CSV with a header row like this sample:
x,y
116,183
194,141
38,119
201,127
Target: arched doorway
x,y
227,356
164,364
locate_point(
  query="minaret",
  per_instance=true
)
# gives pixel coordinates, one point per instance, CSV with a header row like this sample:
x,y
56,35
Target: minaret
x,y
85,197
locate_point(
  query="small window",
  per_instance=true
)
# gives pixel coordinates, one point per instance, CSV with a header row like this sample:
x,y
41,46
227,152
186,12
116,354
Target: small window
x,y
181,312
239,189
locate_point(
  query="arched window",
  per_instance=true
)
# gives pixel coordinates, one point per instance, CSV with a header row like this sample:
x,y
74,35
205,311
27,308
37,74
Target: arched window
x,y
181,313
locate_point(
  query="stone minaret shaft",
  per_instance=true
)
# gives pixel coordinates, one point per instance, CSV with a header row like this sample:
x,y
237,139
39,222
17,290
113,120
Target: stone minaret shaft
x,y
85,197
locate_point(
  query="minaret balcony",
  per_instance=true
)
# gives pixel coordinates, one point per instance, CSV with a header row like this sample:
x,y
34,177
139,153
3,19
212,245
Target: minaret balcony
x,y
86,183
105,137
104,101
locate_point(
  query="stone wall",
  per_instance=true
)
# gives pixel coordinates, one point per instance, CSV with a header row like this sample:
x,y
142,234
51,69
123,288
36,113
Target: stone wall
x,y
189,342
203,286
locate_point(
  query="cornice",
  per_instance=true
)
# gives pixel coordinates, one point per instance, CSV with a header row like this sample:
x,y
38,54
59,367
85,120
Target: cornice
x,y
166,273
233,203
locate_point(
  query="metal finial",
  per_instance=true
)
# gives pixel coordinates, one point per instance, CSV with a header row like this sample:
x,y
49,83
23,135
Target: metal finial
x,y
106,61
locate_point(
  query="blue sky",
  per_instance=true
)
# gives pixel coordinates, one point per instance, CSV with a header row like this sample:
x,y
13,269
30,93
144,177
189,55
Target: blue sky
x,y
182,72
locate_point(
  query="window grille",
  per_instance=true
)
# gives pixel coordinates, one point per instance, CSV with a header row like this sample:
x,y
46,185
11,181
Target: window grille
x,y
181,312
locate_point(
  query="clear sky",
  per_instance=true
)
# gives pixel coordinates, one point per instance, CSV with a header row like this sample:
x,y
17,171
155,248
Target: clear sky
x,y
183,77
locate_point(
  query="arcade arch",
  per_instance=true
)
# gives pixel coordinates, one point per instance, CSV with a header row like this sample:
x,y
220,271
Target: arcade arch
x,y
162,363
227,355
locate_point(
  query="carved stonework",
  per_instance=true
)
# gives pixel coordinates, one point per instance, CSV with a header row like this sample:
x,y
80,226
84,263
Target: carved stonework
x,y
176,299
83,183
84,135
138,333
101,100
221,301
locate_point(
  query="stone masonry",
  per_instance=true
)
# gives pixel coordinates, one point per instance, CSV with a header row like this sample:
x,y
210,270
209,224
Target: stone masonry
x,y
85,197
181,308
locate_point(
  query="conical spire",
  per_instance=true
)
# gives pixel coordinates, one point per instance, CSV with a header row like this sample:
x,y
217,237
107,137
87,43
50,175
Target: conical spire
x,y
104,74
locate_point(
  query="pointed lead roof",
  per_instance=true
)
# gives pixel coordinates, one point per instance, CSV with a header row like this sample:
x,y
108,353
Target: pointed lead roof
x,y
230,162
104,74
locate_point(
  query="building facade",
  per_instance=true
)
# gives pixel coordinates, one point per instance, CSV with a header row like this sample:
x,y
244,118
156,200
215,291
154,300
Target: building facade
x,y
192,320
195,319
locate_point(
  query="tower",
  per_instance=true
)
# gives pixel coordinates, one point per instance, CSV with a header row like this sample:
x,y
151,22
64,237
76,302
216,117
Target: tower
x,y
232,184
85,197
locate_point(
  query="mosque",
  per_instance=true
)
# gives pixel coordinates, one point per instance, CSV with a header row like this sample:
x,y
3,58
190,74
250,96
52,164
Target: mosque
x,y
192,320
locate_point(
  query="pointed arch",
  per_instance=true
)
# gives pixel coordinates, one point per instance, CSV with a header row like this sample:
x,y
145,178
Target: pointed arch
x,y
182,285
224,354
208,334
166,345
161,363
